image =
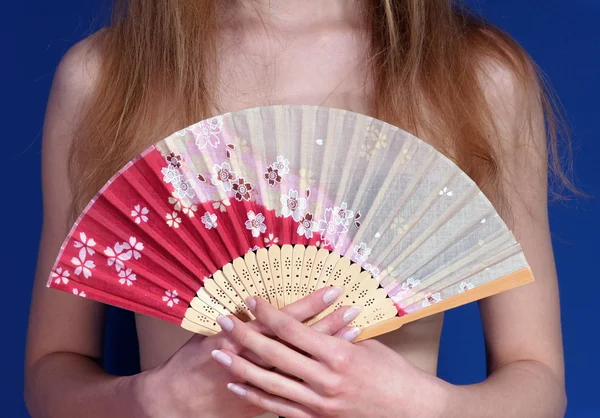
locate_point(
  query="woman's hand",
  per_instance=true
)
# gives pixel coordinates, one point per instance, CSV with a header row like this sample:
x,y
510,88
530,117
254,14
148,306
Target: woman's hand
x,y
191,384
338,379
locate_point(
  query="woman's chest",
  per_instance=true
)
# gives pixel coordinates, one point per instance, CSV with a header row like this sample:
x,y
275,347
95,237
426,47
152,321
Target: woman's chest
x,y
325,68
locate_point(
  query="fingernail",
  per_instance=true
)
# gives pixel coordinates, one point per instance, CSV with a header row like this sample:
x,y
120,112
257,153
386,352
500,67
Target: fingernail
x,y
351,334
225,323
351,313
332,294
251,302
221,358
238,390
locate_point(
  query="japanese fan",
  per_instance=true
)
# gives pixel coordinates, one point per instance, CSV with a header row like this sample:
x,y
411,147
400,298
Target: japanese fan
x,y
279,201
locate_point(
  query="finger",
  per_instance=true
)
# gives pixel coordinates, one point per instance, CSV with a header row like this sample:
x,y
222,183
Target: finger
x,y
337,321
272,351
307,307
271,403
268,381
295,333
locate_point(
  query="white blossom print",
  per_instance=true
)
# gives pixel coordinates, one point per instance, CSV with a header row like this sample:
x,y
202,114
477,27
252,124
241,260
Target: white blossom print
x,y
292,205
209,220
271,240
445,191
184,188
60,276
139,214
83,266
255,223
79,293
463,287
173,220
127,277
372,269
85,244
409,284
361,251
121,252
431,299
171,298
222,204
136,247
170,174
331,231
255,248
182,205
342,214
223,176
206,132
307,226
281,165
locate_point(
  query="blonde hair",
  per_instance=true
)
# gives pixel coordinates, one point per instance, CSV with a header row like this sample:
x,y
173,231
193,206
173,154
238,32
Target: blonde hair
x,y
421,52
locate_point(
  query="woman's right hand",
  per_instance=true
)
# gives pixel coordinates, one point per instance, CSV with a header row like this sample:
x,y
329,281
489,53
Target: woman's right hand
x,y
192,384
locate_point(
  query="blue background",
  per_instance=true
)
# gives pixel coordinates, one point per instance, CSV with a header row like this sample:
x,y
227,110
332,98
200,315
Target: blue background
x,y
562,36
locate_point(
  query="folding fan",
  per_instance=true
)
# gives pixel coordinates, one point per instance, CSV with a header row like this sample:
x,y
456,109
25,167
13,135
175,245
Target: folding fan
x,y
279,201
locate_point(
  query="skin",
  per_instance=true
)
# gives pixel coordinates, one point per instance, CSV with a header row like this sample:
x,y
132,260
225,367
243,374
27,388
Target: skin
x,y
304,52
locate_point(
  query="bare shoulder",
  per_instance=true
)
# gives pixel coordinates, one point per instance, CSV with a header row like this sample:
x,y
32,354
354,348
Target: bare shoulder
x,y
75,325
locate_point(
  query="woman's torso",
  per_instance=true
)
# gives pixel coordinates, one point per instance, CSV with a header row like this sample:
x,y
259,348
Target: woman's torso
x,y
317,64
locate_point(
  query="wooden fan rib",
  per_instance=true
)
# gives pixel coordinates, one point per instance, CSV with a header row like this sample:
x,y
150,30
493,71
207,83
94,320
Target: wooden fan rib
x,y
500,285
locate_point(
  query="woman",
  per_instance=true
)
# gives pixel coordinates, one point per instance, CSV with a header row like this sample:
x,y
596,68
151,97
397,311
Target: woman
x,y
424,65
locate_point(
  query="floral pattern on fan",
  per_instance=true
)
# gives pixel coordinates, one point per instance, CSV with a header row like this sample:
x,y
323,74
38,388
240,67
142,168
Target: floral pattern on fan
x,y
211,192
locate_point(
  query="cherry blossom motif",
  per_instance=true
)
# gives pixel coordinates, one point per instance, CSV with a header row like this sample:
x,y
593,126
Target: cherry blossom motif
x,y
255,223
342,214
59,275
431,299
173,220
223,176
171,298
174,160
242,189
307,226
445,191
373,270
292,205
255,248
270,240
281,165
136,247
183,205
405,155
209,220
127,277
79,293
272,176
331,231
409,284
184,187
463,287
206,132
399,225
139,213
85,245
361,251
121,252
83,266
222,204
170,174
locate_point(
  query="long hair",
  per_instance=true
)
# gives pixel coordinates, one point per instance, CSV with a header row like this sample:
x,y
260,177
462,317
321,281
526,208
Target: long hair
x,y
423,54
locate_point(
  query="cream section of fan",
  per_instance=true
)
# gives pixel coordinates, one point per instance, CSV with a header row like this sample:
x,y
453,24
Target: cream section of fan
x,y
418,225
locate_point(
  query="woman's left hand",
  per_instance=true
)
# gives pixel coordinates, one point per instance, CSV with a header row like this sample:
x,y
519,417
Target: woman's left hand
x,y
335,378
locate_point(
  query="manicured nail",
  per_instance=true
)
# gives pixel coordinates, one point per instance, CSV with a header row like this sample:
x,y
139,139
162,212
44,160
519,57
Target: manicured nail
x,y
351,334
238,390
221,358
225,323
251,302
351,313
332,294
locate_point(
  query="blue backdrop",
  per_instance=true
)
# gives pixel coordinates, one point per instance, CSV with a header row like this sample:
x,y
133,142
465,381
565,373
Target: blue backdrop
x,y
562,36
